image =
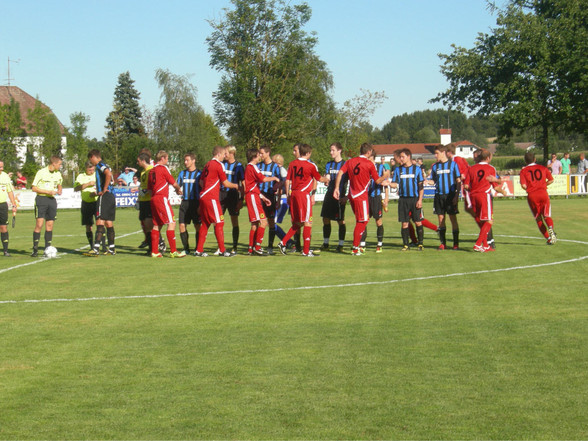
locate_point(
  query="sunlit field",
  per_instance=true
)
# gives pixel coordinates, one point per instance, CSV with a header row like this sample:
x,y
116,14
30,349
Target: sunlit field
x,y
435,345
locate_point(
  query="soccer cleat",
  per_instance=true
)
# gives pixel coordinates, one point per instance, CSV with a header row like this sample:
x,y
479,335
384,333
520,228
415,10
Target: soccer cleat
x,y
309,254
156,255
270,252
110,252
362,250
441,247
420,248
234,251
552,237
144,244
479,249
378,249
7,254
405,248
282,248
356,252
198,254
339,249
35,253
455,248
217,252
325,247
93,252
227,254
177,254
258,252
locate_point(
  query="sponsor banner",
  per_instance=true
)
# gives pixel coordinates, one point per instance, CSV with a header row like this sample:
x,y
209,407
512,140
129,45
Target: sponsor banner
x,y
126,197
560,186
578,184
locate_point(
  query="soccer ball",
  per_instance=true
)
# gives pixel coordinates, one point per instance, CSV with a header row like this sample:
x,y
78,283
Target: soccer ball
x,y
50,252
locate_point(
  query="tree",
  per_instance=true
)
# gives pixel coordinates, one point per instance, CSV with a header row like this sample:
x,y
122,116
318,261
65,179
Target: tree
x,y
44,124
10,127
77,145
530,71
124,121
274,88
180,123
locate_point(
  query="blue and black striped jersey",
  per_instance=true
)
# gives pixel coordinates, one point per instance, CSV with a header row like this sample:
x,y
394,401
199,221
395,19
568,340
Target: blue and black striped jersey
x,y
189,181
269,170
374,189
332,169
408,180
445,175
235,173
101,168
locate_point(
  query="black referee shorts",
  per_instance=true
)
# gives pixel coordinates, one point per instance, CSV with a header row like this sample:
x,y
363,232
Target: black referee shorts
x,y
145,210
4,213
88,212
45,208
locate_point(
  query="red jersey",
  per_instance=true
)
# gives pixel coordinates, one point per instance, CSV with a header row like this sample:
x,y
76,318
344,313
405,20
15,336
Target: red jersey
x,y
476,178
253,177
360,171
463,166
212,176
159,181
301,174
535,177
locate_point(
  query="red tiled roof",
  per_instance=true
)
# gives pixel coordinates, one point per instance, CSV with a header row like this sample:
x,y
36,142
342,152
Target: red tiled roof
x,y
416,149
445,131
26,102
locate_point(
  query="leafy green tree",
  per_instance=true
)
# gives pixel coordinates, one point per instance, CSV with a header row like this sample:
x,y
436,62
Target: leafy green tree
x,y
77,144
530,71
10,127
274,88
44,124
180,123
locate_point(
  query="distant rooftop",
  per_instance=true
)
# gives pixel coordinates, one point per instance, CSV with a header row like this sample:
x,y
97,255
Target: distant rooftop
x,y
26,102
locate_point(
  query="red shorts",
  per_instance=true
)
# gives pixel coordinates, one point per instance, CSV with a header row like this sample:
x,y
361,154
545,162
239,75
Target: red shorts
x,y
482,206
211,211
255,207
161,211
361,208
300,207
539,204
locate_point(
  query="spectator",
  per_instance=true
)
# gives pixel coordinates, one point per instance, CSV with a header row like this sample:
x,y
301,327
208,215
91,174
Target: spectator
x,y
134,185
126,177
21,181
566,163
582,165
554,165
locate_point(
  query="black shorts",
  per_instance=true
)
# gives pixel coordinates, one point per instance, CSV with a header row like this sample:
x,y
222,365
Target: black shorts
x,y
88,212
145,210
106,207
407,210
375,203
189,212
4,213
45,208
332,208
443,204
270,210
230,201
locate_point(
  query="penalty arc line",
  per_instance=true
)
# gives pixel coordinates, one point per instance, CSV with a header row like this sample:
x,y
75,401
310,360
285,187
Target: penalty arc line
x,y
299,288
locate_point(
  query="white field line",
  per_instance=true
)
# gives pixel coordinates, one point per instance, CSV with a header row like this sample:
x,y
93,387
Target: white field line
x,y
299,288
44,259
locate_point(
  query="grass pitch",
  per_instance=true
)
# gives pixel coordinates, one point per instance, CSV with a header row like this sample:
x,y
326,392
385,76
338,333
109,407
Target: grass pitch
x,y
445,345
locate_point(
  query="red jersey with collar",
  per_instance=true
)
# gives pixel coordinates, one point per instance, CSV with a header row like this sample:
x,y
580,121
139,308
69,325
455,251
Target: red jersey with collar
x,y
301,174
159,181
463,166
212,176
360,171
253,177
476,178
535,177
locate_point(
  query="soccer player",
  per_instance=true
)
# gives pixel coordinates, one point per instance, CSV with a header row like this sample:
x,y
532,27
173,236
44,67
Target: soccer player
x,y
334,209
445,174
159,181
479,182
408,178
212,177
360,170
301,179
86,184
144,199
189,180
463,166
254,198
534,179
6,193
272,191
231,198
376,203
106,204
47,184
283,199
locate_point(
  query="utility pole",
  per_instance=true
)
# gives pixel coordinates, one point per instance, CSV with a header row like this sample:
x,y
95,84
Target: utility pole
x,y
8,80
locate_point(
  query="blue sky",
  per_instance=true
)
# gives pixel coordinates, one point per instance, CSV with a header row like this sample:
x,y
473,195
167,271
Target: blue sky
x,y
71,52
